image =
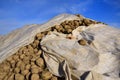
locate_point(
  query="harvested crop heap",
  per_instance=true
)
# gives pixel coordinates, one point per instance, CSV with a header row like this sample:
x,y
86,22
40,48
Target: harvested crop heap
x,y
28,63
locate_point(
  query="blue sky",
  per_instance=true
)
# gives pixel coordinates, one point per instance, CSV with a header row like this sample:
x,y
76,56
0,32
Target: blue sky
x,y
17,13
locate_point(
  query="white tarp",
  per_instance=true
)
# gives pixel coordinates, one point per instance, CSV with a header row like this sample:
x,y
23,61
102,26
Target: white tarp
x,y
102,56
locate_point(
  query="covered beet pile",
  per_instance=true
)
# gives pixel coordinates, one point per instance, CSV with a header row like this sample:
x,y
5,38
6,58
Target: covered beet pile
x,y
30,62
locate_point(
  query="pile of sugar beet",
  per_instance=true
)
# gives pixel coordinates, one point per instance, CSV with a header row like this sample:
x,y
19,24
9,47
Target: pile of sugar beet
x,y
28,63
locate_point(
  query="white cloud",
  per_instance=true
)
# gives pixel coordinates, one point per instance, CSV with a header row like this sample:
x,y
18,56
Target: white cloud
x,y
7,25
75,8
17,1
118,14
114,24
30,3
114,3
35,8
